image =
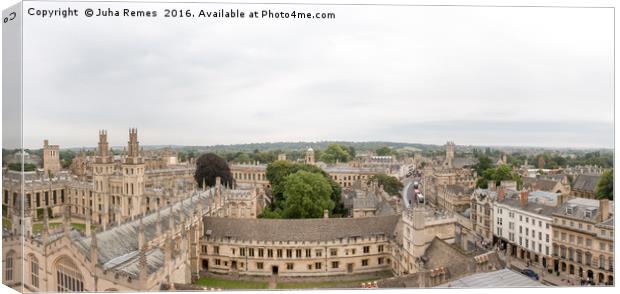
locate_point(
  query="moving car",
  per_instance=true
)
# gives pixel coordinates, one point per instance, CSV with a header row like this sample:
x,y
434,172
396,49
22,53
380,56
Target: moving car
x,y
530,273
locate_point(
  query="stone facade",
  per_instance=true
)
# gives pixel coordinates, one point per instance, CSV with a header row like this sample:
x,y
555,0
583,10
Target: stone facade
x,y
453,198
583,236
522,225
304,247
343,174
346,175
137,255
51,158
584,186
321,247
254,174
113,189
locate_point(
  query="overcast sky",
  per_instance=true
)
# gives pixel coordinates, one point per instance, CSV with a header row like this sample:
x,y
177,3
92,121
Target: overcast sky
x,y
486,76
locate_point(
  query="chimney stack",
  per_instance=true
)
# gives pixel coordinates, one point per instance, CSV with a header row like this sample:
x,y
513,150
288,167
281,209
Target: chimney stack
x,y
501,194
604,208
523,198
491,185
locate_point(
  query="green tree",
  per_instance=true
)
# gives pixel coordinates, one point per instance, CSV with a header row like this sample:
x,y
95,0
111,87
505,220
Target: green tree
x,y
277,171
484,163
306,195
605,187
271,213
352,152
384,151
335,153
210,166
498,174
66,157
242,158
391,185
482,183
16,166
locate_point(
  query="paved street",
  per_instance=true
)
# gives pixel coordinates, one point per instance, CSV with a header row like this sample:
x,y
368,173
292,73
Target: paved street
x,y
545,277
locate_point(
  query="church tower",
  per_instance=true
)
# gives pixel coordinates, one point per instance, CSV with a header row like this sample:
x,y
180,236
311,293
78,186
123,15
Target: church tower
x,y
133,177
310,156
51,158
449,154
103,168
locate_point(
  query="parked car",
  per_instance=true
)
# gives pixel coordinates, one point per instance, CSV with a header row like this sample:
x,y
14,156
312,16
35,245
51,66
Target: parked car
x,y
530,273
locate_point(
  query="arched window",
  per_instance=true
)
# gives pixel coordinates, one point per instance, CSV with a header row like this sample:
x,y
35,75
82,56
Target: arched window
x,y
68,277
34,271
8,268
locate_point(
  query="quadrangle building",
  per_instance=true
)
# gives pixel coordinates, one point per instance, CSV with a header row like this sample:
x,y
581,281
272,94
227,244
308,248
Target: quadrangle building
x,y
145,228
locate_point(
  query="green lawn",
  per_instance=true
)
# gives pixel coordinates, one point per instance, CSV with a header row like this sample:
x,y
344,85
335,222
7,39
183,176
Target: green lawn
x,y
36,228
6,223
330,284
230,284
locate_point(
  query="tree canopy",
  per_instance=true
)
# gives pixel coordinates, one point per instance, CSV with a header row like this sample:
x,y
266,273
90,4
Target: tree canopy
x,y
390,184
605,187
306,195
335,153
277,172
500,173
385,151
16,166
210,166
484,163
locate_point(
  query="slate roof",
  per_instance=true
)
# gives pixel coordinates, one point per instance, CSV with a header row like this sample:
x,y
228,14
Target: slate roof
x,y
533,207
586,183
317,229
441,254
117,247
350,169
576,208
496,279
608,222
459,189
384,209
460,162
539,184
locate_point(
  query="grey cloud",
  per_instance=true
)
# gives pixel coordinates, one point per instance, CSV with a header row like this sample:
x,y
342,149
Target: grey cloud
x,y
358,77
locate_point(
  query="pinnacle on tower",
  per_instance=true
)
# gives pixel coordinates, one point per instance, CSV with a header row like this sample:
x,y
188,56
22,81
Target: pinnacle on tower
x,y
142,273
88,222
133,146
141,241
45,232
158,226
93,248
103,146
66,222
171,220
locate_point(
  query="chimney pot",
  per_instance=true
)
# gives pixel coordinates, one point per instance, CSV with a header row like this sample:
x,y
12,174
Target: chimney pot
x,y
604,208
491,185
501,194
523,198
